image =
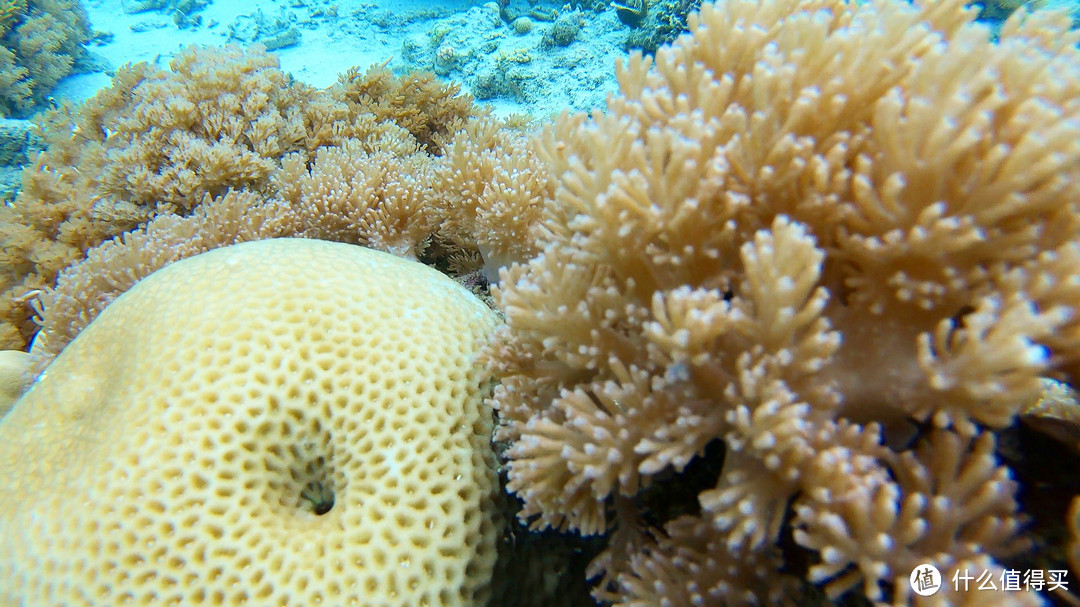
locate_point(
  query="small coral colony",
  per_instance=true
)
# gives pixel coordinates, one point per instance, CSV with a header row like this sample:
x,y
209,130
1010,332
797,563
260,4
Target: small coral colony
x,y
793,319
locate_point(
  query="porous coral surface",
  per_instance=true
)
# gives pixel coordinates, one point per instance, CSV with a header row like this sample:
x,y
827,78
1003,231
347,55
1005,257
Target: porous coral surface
x,y
282,422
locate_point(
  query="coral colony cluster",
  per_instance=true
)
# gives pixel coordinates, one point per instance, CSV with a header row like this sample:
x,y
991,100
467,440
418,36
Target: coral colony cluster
x,y
767,322
40,42
259,458
797,231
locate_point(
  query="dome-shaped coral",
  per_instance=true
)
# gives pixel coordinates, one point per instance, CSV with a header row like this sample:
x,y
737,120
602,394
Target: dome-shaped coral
x,y
278,422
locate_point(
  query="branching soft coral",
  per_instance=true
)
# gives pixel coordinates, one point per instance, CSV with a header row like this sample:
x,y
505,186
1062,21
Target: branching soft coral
x,y
86,288
806,223
217,120
365,193
493,185
374,190
155,142
161,142
41,41
429,109
950,501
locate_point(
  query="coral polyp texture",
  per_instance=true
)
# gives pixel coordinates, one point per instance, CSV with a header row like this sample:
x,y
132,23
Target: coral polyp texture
x,y
810,260
220,120
40,42
282,422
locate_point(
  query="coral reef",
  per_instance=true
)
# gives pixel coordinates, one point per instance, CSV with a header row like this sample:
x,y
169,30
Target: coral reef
x,y
42,40
274,33
510,14
377,190
364,192
664,21
18,142
481,198
427,108
9,14
86,288
289,421
154,142
565,29
14,365
522,25
770,319
839,241
492,187
162,142
591,5
486,54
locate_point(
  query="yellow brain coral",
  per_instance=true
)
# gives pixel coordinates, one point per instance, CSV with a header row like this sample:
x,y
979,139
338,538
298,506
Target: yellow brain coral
x,y
277,422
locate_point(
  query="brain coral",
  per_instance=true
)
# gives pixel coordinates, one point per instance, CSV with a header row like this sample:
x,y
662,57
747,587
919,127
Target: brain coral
x,y
277,422
13,368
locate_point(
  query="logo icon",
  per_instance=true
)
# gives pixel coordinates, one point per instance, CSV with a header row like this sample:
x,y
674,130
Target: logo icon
x,y
925,580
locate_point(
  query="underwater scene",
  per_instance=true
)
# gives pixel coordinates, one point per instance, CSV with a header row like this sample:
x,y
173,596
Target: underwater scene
x,y
641,303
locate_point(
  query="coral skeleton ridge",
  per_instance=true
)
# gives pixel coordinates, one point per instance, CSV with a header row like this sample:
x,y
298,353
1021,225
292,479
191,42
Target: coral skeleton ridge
x,y
764,327
287,421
